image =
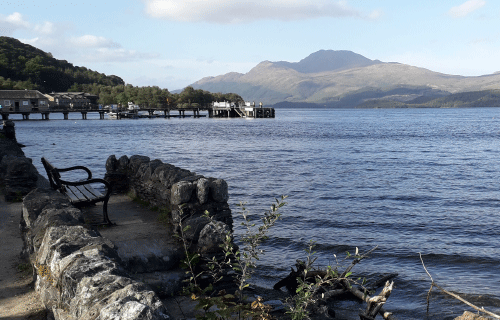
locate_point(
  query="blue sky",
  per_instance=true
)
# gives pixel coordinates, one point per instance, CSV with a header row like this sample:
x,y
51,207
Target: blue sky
x,y
173,43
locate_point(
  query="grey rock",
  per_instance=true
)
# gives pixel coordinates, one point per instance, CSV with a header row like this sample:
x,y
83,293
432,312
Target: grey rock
x,y
135,162
19,175
212,236
147,170
49,217
122,164
196,224
92,292
10,147
219,190
133,302
168,175
61,244
181,192
111,164
39,199
203,190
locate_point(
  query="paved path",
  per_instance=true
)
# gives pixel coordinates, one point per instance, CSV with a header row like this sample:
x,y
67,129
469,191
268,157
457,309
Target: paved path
x,y
18,300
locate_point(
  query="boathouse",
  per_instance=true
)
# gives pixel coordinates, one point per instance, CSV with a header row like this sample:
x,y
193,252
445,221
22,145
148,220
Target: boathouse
x,y
23,101
72,100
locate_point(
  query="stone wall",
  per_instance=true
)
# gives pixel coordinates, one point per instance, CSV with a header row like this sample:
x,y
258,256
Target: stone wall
x,y
18,176
186,194
78,272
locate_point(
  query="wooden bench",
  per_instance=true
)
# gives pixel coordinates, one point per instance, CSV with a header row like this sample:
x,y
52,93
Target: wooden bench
x,y
80,193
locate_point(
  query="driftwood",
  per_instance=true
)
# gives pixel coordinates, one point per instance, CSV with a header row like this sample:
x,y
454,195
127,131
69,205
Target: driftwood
x,y
290,282
433,284
375,304
340,286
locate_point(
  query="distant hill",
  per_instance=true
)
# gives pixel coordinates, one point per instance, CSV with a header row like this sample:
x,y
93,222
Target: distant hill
x,y
485,98
35,69
342,79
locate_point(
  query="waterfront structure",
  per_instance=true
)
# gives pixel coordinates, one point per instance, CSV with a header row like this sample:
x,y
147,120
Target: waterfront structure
x,y
244,109
72,100
23,101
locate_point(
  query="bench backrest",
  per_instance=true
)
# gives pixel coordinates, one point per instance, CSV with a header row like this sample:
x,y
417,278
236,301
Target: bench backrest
x,y
52,174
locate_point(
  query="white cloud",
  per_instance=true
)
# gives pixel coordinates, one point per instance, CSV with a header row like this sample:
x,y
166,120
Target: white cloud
x,y
466,8
17,19
93,42
9,24
115,55
230,11
45,28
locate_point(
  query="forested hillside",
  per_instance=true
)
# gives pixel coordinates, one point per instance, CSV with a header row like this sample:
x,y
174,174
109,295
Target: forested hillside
x,y
25,67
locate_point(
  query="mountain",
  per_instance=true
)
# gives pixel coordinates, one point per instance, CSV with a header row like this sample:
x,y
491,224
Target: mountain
x,y
33,68
342,79
328,60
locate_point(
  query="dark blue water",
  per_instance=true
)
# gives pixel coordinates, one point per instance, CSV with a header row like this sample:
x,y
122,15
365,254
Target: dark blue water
x,y
407,180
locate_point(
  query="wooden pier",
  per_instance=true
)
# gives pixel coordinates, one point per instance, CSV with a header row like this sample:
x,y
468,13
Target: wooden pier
x,y
152,113
214,111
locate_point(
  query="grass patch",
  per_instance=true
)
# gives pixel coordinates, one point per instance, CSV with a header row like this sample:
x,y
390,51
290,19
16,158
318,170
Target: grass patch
x,y
164,217
25,269
139,201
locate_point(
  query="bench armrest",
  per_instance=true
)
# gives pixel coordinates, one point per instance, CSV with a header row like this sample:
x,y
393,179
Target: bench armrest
x,y
76,168
81,183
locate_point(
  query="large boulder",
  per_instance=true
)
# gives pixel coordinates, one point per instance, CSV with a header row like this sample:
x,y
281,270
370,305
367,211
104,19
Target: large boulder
x,y
181,192
212,236
202,190
122,164
111,164
219,190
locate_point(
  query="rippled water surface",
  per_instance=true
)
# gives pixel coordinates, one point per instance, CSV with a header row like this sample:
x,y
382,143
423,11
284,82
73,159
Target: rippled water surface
x,y
407,180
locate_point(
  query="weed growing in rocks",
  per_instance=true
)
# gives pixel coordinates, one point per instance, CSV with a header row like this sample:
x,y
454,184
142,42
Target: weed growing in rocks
x,y
242,261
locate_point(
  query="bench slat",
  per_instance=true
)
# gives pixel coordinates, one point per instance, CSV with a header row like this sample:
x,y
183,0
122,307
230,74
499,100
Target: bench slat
x,y
89,195
76,193
93,192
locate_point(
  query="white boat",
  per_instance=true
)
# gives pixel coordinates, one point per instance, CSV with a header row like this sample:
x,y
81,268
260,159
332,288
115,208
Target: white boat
x,y
112,115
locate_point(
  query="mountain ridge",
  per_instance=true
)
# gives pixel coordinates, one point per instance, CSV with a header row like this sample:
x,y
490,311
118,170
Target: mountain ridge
x,y
327,76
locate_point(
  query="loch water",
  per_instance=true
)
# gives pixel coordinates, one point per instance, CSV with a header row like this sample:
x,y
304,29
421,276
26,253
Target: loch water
x,y
409,181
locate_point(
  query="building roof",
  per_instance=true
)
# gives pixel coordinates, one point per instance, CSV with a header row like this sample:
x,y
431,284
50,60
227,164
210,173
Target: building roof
x,y
21,94
72,95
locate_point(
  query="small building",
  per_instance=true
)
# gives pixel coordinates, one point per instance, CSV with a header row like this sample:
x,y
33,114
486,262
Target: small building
x,y
72,100
243,109
23,101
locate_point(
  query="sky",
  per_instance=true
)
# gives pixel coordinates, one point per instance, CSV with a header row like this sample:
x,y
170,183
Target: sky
x,y
173,43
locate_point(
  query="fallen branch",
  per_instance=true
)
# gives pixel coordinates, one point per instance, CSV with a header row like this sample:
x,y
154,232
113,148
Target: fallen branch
x,y
375,304
364,297
433,284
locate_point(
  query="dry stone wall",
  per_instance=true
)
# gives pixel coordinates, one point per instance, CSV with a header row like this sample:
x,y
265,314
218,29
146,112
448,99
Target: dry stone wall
x,y
185,194
78,273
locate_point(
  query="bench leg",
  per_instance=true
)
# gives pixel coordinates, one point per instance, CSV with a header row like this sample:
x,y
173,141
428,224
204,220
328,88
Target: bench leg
x,y
105,213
